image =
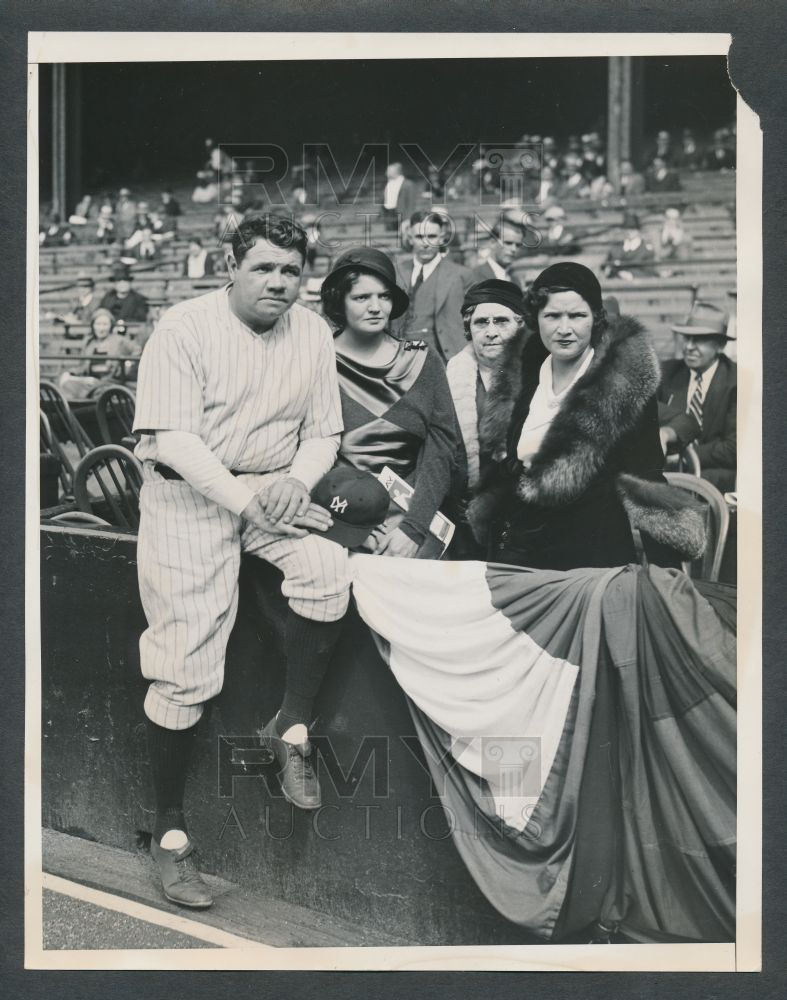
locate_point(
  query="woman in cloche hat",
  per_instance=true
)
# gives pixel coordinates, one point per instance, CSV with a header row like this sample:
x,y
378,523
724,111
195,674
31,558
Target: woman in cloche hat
x,y
396,403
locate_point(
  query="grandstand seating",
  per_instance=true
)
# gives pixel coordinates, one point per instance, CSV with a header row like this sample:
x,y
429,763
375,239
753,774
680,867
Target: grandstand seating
x,y
707,201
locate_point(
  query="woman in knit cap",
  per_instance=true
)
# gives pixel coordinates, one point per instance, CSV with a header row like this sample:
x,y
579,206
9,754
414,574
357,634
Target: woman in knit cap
x,y
571,426
396,404
493,313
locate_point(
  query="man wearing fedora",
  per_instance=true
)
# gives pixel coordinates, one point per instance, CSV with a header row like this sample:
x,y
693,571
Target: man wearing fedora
x,y
698,396
121,300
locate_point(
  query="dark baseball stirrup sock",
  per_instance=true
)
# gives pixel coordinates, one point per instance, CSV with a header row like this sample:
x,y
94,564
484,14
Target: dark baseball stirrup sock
x,y
170,754
309,648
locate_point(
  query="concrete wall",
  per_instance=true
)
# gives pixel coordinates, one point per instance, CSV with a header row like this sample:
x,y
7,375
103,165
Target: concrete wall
x,y
378,854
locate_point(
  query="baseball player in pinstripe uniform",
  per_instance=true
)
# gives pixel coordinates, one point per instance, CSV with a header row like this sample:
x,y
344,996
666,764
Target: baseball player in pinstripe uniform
x,y
239,414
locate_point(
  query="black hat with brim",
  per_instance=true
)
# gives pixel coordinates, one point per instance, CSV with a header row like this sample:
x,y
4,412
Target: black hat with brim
x,y
374,262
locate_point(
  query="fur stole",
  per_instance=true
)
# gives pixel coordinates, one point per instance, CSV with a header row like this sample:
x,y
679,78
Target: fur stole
x,y
462,372
599,410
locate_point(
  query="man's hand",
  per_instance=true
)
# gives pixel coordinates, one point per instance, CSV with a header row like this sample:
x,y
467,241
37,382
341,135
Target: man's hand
x,y
667,436
314,518
396,543
285,500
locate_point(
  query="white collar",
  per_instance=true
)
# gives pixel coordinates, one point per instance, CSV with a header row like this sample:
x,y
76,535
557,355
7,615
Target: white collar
x,y
496,268
426,268
707,376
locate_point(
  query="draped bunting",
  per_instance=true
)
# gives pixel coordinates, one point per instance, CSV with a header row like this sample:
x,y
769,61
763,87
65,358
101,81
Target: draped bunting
x,y
580,728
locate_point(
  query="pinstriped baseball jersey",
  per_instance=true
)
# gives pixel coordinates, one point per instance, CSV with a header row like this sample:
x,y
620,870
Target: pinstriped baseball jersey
x,y
251,398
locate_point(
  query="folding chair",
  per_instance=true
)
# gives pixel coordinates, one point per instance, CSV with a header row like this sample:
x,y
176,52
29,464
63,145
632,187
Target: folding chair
x,y
51,446
719,523
63,426
108,479
115,414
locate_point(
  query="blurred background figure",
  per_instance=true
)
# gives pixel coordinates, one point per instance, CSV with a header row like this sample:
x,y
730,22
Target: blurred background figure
x,y
659,177
198,263
631,181
85,303
557,239
630,259
121,300
674,242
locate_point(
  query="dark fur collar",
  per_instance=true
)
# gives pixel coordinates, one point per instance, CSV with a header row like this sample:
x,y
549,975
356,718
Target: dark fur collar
x,y
603,406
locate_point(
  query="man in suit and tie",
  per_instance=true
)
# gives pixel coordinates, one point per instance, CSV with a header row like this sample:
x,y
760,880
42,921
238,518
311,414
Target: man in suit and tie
x,y
698,396
436,287
398,197
506,244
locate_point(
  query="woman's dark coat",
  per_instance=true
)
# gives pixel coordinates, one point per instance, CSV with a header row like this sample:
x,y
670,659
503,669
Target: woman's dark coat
x,y
597,471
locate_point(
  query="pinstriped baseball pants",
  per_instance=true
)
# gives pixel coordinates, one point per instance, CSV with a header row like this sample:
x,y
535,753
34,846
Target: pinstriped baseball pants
x,y
188,558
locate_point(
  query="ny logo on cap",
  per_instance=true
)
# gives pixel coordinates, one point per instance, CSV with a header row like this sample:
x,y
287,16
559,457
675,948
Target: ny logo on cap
x,y
339,505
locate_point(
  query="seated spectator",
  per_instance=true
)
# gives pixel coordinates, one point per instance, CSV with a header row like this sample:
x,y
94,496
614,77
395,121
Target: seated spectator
x,y
630,258
198,262
143,244
56,233
631,181
698,396
121,300
505,245
600,188
161,226
105,349
107,339
105,225
557,239
85,304
658,176
661,147
674,242
574,183
688,156
547,186
721,155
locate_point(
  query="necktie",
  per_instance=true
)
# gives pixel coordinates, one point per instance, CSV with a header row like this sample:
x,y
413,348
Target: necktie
x,y
417,284
695,406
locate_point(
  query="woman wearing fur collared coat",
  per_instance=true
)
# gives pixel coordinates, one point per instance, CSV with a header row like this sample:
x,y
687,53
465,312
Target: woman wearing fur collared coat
x,y
571,427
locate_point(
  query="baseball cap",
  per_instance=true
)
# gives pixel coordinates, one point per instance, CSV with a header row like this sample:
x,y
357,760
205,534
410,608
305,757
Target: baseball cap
x,y
357,501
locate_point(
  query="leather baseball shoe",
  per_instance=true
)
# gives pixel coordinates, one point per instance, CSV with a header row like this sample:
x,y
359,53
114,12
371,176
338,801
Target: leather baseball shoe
x,y
180,878
299,783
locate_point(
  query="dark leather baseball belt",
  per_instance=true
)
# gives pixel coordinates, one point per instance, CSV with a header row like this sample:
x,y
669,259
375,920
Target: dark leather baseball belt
x,y
169,473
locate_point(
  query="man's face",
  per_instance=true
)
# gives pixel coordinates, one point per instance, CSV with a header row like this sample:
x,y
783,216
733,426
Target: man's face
x,y
122,287
508,244
427,240
491,325
699,353
265,284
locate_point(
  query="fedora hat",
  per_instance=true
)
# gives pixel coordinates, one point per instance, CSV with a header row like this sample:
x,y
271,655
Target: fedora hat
x,y
374,262
704,320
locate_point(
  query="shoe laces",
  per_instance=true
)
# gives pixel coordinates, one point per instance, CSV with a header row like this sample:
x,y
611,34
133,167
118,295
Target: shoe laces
x,y
188,872
302,766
